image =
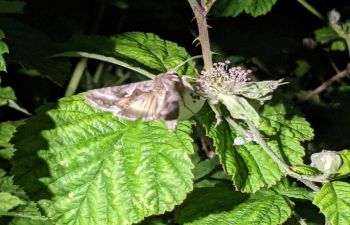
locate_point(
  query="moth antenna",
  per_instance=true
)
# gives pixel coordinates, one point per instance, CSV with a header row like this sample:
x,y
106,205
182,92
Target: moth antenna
x,y
184,62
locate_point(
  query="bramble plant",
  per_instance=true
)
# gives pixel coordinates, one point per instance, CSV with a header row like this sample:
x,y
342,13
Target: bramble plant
x,y
241,152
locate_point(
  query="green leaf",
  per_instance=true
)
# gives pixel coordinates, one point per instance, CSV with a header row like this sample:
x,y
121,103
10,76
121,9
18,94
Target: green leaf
x,y
6,94
144,51
260,7
104,170
234,8
151,51
6,185
302,68
334,202
290,131
3,49
306,170
344,170
32,49
204,167
291,191
338,46
251,168
29,214
9,201
325,35
204,201
11,6
7,129
25,214
265,207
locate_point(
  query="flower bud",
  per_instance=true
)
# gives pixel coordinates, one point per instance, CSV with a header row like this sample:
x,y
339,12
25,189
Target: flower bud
x,y
327,162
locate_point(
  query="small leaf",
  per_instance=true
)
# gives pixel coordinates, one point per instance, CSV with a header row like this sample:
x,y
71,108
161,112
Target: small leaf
x,y
344,170
265,207
334,202
6,185
9,201
302,68
3,49
204,167
236,7
306,170
325,35
29,214
6,94
286,189
7,129
114,171
204,201
260,7
338,46
232,8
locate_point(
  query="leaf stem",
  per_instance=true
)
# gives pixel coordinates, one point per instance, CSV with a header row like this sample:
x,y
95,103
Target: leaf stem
x,y
200,14
76,76
259,140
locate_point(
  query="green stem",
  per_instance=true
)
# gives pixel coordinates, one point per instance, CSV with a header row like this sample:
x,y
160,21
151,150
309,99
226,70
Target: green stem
x,y
312,10
76,76
304,179
203,35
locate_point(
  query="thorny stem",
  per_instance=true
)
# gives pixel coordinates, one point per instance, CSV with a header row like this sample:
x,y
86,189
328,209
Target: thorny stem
x,y
304,179
200,14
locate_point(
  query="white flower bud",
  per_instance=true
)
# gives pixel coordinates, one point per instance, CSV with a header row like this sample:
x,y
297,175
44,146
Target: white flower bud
x,y
327,162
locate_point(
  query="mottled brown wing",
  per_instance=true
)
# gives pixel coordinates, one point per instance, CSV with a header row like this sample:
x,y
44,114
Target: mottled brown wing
x,y
156,99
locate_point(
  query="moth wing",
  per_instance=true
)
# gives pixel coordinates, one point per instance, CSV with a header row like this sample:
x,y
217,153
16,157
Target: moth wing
x,y
148,100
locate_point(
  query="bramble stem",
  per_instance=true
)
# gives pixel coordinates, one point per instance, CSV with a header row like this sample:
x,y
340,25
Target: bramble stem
x,y
200,14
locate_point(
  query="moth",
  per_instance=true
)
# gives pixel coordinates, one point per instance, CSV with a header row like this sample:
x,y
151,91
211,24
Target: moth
x,y
156,99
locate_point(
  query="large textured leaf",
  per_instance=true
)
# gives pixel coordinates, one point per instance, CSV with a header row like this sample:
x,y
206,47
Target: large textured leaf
x,y
251,168
204,201
3,49
265,207
145,51
334,201
291,132
235,7
103,170
32,49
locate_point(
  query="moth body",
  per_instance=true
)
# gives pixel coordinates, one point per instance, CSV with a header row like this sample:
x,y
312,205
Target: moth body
x,y
156,99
